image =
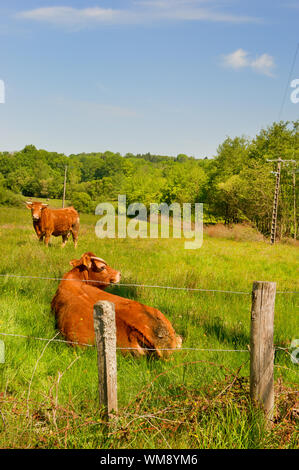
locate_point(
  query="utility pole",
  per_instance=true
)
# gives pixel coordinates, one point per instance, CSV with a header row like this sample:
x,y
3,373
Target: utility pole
x,y
275,202
276,194
64,186
294,201
294,195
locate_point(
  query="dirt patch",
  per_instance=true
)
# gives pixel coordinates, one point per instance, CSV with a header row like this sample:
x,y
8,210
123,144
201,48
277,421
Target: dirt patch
x,y
237,232
13,227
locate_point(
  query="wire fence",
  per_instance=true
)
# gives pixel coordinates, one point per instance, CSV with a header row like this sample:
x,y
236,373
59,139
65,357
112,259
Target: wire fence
x,y
277,348
113,392
53,340
197,349
121,349
194,289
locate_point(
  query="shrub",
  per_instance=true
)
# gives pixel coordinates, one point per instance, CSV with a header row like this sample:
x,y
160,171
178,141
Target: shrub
x,y
8,198
82,202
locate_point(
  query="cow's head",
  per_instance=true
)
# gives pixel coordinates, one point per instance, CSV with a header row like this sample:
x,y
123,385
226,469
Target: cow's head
x,y
96,269
36,209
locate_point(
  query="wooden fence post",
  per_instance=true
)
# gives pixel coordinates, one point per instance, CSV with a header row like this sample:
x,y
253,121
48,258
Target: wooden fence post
x,y
262,348
105,337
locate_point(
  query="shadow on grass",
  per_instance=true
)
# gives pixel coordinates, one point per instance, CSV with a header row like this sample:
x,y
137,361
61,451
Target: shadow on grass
x,y
218,328
23,242
123,291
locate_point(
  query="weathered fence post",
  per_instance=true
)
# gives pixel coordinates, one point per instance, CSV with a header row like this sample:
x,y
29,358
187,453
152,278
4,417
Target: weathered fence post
x,y
262,348
105,337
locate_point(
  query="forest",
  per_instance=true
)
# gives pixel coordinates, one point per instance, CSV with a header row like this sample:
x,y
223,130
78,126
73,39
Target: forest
x,y
236,185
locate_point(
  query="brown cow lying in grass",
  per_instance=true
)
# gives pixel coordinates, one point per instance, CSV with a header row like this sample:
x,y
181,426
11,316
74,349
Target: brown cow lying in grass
x,y
57,222
137,325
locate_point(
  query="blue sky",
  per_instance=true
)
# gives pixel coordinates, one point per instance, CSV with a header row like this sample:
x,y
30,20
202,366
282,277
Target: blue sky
x,y
159,76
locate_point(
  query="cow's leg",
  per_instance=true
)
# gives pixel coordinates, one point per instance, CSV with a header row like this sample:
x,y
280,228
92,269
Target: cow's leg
x,y
65,239
75,237
38,232
75,231
128,341
47,238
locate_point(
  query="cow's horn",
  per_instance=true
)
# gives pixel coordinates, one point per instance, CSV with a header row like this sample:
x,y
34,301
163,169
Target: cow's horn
x,y
98,259
28,202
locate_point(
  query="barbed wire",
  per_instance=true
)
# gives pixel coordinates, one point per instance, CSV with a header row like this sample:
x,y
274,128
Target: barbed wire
x,y
125,349
196,289
47,339
129,348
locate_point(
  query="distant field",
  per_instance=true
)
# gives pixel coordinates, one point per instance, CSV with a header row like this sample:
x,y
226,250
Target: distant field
x,y
183,407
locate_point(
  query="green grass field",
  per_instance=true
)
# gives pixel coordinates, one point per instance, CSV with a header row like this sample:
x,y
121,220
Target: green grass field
x,y
198,399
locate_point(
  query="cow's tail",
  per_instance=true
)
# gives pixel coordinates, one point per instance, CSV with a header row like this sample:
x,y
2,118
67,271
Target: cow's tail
x,y
75,229
76,223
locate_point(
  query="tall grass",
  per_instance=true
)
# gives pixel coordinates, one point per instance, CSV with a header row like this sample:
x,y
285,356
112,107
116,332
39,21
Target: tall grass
x,y
178,403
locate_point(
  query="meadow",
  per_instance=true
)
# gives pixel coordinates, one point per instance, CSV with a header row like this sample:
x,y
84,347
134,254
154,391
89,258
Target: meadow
x,y
197,399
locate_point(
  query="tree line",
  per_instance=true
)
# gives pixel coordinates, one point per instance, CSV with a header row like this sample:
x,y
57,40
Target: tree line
x,y
236,185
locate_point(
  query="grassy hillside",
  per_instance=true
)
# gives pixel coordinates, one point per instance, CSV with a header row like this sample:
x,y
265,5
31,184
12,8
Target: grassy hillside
x,y
194,400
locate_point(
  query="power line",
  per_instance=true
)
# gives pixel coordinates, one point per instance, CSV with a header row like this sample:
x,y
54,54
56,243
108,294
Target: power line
x,y
287,85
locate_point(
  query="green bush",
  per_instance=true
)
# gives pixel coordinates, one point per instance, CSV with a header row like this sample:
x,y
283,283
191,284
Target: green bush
x,y
8,198
82,202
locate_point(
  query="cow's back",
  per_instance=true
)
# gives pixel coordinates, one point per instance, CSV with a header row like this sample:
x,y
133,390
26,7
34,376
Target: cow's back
x,y
62,220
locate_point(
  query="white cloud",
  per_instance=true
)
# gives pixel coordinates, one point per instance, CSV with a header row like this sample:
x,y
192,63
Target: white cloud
x,y
73,16
264,64
238,59
139,12
191,10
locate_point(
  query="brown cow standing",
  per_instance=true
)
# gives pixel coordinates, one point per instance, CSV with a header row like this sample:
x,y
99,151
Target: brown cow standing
x,y
137,326
57,222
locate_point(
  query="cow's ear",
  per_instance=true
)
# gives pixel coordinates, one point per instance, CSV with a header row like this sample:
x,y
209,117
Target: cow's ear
x,y
28,204
83,261
44,206
75,262
86,261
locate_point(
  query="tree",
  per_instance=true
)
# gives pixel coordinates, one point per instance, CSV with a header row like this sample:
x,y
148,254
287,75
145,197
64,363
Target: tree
x,y
82,202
